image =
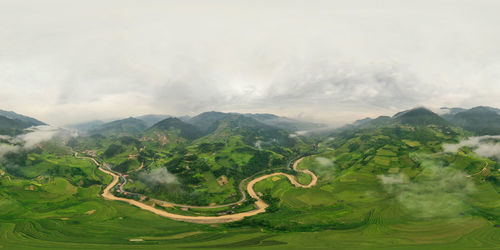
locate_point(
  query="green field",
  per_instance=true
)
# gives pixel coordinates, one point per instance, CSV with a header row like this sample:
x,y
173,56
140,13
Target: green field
x,y
389,187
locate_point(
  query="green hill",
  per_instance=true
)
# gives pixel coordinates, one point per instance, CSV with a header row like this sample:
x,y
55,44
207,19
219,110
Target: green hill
x,y
10,127
128,126
151,120
420,117
384,183
206,121
12,123
222,126
25,119
85,126
175,125
479,120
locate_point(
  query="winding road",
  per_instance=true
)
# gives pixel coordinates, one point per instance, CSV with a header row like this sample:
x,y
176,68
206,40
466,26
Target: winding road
x,y
260,205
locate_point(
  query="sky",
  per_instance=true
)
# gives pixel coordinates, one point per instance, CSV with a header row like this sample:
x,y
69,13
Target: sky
x,y
65,62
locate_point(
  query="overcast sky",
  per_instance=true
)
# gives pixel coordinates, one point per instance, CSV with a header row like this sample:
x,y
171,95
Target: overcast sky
x,y
333,61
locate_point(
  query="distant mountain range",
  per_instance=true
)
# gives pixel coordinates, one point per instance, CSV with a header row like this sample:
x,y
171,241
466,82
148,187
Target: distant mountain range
x,y
224,125
481,120
175,125
420,117
151,120
128,126
12,123
413,117
205,123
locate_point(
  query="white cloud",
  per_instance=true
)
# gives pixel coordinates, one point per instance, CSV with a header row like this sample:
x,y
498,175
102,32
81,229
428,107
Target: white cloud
x,y
324,161
159,176
338,61
480,145
31,139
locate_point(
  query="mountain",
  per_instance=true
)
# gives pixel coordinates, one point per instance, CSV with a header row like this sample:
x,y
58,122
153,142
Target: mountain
x,y
362,121
10,127
152,119
490,108
380,121
416,117
284,122
480,120
393,170
420,117
219,126
175,125
128,126
206,121
25,119
448,113
12,123
85,126
184,118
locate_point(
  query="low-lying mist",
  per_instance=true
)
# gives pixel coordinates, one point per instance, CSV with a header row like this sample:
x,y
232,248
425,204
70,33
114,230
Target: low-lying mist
x,y
30,140
158,176
486,146
324,167
438,191
13,149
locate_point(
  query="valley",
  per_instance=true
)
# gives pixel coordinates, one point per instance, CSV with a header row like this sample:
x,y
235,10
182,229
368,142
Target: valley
x,y
225,180
260,205
268,124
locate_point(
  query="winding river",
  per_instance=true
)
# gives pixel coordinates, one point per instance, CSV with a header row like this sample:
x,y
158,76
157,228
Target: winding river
x,y
260,205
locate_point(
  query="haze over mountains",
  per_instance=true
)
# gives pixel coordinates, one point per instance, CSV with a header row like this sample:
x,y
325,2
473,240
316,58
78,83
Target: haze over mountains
x,y
205,122
415,164
263,124
481,120
12,123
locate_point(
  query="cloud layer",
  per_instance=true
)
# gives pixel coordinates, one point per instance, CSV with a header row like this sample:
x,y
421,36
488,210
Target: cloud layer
x,y
486,146
336,61
31,139
159,176
437,191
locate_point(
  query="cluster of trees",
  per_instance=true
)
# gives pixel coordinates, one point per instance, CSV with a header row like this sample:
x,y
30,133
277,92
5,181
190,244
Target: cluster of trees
x,y
129,140
124,166
113,150
188,168
259,161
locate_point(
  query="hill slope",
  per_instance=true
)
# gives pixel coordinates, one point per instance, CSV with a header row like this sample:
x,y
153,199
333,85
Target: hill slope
x,y
128,126
174,125
151,120
12,123
86,126
222,126
479,120
25,119
420,117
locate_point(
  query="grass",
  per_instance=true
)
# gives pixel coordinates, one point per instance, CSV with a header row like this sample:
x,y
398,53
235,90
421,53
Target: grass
x,y
349,208
303,178
114,223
